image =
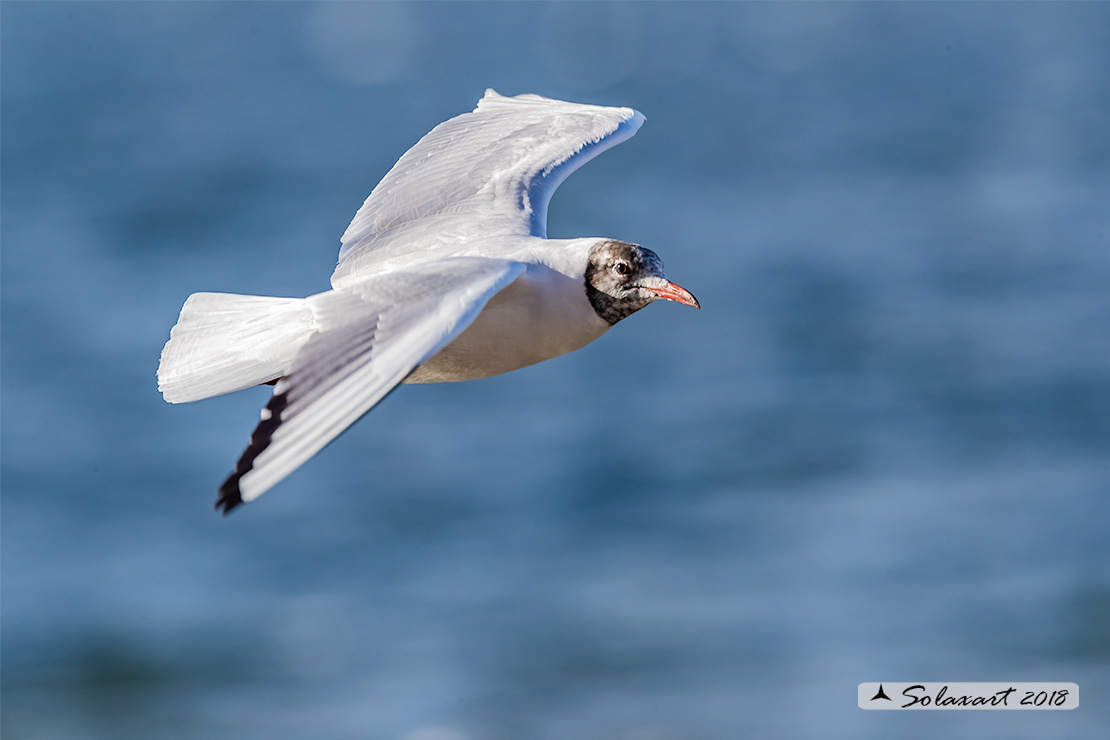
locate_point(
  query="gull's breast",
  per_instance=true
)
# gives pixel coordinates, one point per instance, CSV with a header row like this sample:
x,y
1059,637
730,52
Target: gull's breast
x,y
541,315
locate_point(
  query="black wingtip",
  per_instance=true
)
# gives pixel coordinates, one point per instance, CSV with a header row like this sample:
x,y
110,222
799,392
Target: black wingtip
x,y
230,496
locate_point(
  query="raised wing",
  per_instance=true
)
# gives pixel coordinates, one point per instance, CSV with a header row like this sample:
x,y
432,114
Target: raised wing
x,y
369,339
485,173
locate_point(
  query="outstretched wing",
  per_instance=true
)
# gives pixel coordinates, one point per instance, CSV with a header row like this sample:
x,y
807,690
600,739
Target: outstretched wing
x,y
486,173
369,339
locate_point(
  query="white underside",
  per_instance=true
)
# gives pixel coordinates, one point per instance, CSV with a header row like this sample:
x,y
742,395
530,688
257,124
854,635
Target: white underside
x,y
542,315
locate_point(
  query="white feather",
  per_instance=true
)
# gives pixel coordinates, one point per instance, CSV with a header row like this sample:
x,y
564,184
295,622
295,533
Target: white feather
x,y
224,342
484,174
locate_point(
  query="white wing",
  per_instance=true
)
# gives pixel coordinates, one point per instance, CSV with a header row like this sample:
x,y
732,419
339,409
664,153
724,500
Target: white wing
x,y
369,339
489,172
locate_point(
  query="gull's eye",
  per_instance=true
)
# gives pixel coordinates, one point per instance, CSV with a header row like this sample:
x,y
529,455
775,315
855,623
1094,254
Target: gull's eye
x,y
622,268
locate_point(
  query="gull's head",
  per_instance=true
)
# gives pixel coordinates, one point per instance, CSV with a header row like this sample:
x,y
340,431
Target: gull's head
x,y
622,278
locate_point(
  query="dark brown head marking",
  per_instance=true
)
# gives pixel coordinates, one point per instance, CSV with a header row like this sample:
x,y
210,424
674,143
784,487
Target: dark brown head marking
x,y
615,276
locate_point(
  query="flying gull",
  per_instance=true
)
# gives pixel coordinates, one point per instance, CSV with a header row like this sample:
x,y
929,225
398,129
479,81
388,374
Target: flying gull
x,y
445,274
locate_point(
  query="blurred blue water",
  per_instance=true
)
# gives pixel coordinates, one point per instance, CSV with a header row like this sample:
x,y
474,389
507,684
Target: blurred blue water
x,y
879,451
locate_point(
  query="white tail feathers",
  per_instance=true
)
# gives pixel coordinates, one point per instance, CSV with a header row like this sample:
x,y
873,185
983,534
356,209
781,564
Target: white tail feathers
x,y
224,342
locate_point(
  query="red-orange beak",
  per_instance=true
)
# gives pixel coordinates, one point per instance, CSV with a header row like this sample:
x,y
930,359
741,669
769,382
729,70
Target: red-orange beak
x,y
673,292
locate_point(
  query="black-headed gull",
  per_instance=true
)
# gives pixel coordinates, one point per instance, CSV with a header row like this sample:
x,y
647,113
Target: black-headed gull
x,y
446,273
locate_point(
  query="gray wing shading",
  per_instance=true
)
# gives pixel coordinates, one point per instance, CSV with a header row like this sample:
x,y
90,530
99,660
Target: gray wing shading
x,y
369,339
490,172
